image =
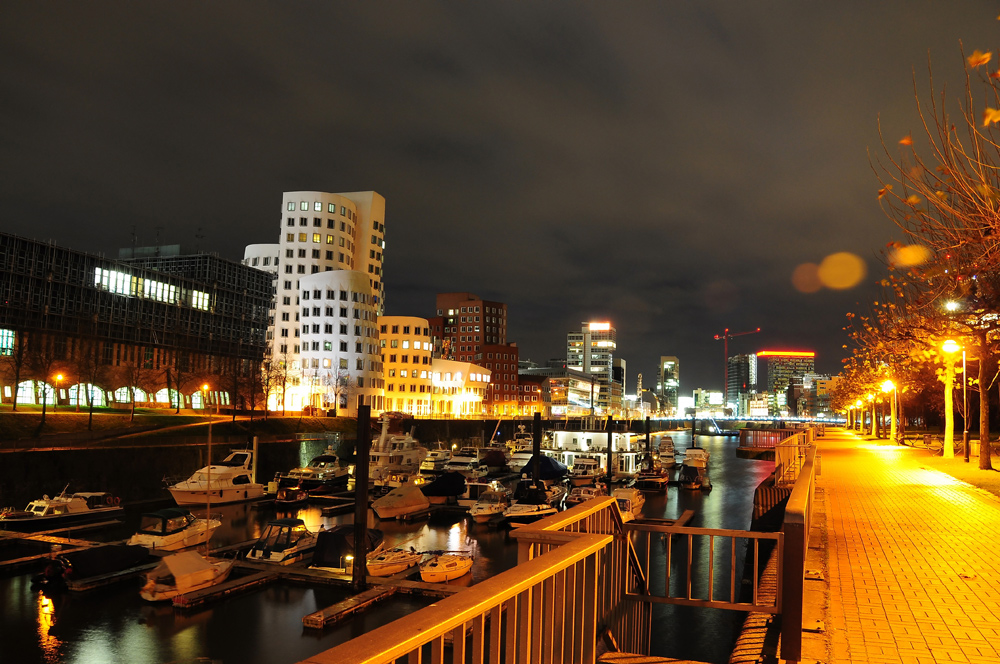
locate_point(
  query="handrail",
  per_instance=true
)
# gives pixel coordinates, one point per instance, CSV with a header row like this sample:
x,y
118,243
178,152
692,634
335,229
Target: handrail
x,y
411,632
798,517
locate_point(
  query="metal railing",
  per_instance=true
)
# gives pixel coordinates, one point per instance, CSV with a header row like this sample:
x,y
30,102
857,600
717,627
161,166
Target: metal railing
x,y
764,438
789,457
798,519
568,588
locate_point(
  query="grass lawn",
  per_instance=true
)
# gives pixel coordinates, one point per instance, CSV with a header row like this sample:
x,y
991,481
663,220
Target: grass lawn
x,y
988,480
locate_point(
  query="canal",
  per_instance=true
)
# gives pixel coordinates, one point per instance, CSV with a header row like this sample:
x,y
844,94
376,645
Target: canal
x,y
264,626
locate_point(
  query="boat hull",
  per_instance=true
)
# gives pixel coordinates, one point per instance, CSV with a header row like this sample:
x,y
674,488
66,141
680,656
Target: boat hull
x,y
199,532
36,523
236,494
440,569
155,592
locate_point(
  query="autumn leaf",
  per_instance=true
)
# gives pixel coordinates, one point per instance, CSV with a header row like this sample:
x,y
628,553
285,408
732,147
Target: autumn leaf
x,y
941,195
884,190
978,58
995,74
906,140
990,115
913,199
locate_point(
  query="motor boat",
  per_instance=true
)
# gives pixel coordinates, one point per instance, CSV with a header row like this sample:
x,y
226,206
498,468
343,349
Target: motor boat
x,y
693,477
630,502
401,501
323,474
475,489
173,529
519,458
581,494
585,470
550,470
492,503
183,572
394,459
435,461
284,541
290,496
392,561
446,488
334,550
696,456
496,457
445,567
51,513
470,467
652,477
534,503
226,482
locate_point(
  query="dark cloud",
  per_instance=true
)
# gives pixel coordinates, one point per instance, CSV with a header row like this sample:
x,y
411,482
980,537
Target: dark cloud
x,y
662,165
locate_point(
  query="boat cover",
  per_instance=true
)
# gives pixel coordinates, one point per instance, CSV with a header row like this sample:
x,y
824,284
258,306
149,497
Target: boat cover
x,y
189,568
332,545
548,468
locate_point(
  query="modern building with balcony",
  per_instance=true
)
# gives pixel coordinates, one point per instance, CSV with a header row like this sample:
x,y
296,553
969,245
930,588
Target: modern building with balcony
x,y
592,351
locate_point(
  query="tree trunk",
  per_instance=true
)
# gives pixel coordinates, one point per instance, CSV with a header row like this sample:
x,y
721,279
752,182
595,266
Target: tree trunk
x,y
949,409
985,368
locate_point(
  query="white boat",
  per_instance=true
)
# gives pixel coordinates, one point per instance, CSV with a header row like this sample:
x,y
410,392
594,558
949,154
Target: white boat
x,y
323,472
471,467
173,529
392,561
226,482
534,504
630,502
489,505
569,446
55,512
696,456
585,470
435,461
181,573
581,494
394,459
445,567
284,541
519,458
475,489
693,477
401,501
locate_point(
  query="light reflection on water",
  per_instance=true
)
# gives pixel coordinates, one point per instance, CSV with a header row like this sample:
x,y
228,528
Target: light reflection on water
x,y
264,625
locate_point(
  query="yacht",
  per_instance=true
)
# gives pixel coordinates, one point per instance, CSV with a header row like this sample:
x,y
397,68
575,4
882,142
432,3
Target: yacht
x,y
586,470
630,502
55,512
467,463
445,567
226,482
394,459
323,474
173,529
181,573
519,458
435,461
284,541
696,456
582,494
492,503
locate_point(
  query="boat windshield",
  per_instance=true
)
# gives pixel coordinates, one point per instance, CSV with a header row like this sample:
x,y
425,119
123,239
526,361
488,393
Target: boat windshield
x,y
489,498
324,463
36,508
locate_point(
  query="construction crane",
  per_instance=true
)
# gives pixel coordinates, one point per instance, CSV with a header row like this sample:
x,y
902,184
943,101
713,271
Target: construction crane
x,y
726,336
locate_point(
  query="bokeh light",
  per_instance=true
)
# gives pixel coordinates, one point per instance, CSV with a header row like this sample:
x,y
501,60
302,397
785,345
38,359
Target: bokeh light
x,y
842,270
910,255
805,278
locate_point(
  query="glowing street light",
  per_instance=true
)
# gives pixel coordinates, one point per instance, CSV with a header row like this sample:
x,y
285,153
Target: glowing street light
x,y
950,347
952,305
55,404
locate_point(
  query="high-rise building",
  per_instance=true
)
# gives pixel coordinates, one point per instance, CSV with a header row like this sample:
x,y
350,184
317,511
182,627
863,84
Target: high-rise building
x,y
779,367
328,290
467,322
742,378
592,351
667,383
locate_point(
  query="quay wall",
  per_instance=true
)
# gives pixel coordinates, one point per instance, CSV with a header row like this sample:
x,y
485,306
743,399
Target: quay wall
x,y
132,472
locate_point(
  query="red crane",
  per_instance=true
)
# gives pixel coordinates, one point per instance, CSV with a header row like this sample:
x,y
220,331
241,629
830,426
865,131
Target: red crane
x,y
726,336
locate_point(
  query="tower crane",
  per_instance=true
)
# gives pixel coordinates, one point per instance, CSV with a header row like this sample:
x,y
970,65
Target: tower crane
x,y
725,337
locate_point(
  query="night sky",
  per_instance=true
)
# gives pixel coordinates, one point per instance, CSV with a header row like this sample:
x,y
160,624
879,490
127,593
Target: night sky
x,y
663,165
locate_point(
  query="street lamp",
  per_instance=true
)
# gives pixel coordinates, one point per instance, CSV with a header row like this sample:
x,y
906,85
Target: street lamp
x,y
55,403
950,347
208,479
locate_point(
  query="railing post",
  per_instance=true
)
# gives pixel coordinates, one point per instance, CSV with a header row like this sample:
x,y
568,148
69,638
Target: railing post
x,y
791,590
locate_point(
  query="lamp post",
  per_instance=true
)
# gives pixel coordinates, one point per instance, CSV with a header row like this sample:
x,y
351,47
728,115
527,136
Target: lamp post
x,y
965,410
859,417
208,478
890,388
55,401
950,347
874,431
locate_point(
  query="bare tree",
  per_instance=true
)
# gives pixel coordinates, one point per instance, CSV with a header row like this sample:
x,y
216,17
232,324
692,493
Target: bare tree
x,y
14,363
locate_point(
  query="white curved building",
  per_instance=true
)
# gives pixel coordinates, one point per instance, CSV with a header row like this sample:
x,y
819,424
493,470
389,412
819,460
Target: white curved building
x,y
321,234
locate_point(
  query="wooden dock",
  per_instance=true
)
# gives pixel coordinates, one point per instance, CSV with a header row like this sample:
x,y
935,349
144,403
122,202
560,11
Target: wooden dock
x,y
348,607
198,597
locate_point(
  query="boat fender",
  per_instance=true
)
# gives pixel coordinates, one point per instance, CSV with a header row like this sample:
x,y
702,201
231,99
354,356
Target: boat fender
x,y
109,500
118,501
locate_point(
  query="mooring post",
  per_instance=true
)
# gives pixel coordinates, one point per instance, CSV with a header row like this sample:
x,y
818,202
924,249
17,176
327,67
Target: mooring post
x,y
607,427
536,449
361,457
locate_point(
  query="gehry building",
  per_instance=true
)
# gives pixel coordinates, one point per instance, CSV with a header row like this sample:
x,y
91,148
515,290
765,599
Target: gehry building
x,y
328,293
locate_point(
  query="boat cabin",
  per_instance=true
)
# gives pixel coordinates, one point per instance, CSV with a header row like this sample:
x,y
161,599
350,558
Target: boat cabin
x,y
165,522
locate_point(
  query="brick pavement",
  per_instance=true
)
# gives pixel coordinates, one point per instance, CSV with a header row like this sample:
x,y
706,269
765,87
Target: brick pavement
x,y
913,558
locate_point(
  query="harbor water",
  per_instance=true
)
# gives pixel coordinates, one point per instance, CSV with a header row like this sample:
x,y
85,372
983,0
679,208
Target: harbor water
x,y
264,625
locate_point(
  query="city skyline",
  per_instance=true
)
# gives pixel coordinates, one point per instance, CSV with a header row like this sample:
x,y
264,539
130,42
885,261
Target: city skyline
x,y
662,168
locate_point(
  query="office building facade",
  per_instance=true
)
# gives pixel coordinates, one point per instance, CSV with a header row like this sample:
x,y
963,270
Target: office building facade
x,y
667,383
592,351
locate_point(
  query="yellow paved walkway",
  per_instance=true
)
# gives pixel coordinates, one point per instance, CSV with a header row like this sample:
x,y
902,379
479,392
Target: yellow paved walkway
x,y
914,558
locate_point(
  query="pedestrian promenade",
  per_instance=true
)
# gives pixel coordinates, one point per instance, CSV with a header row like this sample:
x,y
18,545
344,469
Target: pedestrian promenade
x,y
913,558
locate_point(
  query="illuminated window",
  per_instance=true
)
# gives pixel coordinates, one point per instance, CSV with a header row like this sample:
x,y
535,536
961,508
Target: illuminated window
x,y
303,237
317,238
304,205
291,206
318,206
